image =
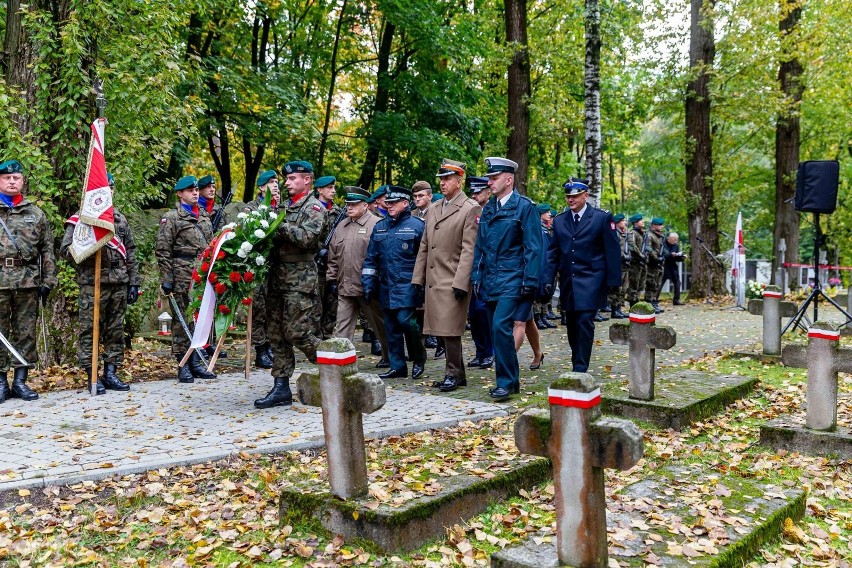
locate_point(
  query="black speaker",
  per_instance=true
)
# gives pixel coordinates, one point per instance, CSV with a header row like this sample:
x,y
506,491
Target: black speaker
x,y
816,186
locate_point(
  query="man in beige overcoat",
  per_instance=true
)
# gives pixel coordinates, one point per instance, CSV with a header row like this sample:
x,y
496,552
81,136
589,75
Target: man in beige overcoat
x,y
444,264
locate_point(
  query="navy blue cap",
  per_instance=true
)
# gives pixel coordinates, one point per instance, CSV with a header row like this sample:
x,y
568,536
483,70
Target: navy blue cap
x,y
476,184
575,186
397,193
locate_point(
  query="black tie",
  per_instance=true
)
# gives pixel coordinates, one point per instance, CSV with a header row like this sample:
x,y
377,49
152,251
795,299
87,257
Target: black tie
x,y
576,218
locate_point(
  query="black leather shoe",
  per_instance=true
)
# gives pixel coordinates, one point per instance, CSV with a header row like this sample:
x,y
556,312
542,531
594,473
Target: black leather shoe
x,y
547,323
19,385
599,317
500,394
198,370
394,374
185,375
486,362
431,342
280,395
657,308
550,315
417,371
262,359
383,364
475,362
4,389
563,319
376,347
678,303
618,314
452,383
512,390
440,352
111,380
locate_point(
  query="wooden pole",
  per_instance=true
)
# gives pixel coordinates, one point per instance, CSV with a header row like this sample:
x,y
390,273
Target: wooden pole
x,y
248,340
215,356
96,326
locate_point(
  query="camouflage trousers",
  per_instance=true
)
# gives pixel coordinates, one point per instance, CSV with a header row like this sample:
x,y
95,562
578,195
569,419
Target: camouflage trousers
x,y
540,308
111,322
180,340
325,311
291,323
637,282
616,299
653,282
18,322
258,316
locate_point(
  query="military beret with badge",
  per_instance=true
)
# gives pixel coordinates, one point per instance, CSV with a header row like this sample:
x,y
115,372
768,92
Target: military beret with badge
x,y
382,191
11,167
264,177
324,181
205,181
298,167
186,182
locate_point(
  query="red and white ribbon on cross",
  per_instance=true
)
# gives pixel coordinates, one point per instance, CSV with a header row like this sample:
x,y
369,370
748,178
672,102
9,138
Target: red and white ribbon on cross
x,y
770,294
824,334
332,358
642,318
574,399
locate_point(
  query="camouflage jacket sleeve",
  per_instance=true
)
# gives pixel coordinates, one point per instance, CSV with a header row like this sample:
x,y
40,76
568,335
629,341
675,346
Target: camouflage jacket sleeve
x,y
132,263
65,247
48,258
163,250
305,235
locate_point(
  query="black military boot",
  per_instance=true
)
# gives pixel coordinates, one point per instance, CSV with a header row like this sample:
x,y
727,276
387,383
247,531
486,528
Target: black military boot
x,y
537,321
368,336
280,395
185,375
111,380
657,308
376,348
99,387
550,315
197,368
4,388
262,360
19,385
547,323
563,318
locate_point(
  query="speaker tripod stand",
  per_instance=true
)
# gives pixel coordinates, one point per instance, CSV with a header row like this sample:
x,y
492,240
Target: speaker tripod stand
x,y
814,296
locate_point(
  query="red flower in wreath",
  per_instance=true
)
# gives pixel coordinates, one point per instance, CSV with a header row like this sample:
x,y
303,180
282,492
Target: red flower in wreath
x,y
220,288
234,277
246,301
207,252
221,255
224,309
196,277
248,277
213,278
205,266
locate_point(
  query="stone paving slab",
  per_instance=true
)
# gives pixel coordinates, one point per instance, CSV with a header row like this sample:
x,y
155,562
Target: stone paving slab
x,y
66,437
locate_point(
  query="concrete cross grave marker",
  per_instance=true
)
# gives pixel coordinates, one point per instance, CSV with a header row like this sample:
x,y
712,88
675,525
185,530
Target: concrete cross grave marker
x,y
824,358
644,337
773,309
345,395
580,444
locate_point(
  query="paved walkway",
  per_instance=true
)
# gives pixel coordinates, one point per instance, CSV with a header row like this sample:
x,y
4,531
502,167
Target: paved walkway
x,y
68,436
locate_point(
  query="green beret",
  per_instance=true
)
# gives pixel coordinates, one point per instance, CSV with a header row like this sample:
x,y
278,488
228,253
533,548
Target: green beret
x,y
553,212
110,179
436,197
11,167
186,182
634,218
264,177
658,221
543,208
298,167
383,190
205,181
324,181
618,218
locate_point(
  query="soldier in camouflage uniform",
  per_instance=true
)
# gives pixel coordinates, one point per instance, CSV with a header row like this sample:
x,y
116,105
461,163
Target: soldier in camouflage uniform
x,y
616,299
184,234
654,277
292,283
207,201
27,274
326,309
638,259
120,283
266,181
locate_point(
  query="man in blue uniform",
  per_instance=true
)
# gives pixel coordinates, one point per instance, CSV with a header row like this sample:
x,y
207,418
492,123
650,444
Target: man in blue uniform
x,y
507,268
480,332
387,273
585,251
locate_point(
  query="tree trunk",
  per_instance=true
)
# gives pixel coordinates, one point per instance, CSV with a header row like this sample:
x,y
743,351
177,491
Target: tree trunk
x,y
331,84
592,90
787,140
19,63
383,80
520,90
707,275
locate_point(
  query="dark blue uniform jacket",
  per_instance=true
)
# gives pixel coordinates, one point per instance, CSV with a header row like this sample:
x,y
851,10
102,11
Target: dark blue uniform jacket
x,y
508,250
587,260
390,260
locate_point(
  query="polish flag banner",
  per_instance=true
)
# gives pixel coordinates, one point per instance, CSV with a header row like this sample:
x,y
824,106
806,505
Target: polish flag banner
x,y
96,223
738,263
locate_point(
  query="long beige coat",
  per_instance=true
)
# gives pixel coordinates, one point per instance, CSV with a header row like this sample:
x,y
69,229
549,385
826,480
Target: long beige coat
x,y
347,251
445,261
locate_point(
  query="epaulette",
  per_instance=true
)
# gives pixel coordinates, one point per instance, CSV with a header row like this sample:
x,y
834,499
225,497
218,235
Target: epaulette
x,y
607,211
561,213
527,198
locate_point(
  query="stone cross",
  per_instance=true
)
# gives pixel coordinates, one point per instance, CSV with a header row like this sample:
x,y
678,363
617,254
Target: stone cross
x,y
773,309
644,337
344,394
824,358
580,444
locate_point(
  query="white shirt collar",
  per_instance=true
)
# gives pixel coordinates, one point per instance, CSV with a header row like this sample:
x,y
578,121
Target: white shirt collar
x,y
504,200
581,212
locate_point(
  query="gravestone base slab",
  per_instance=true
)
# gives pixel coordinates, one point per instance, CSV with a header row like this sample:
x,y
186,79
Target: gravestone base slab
x,y
408,527
680,398
762,357
754,513
789,433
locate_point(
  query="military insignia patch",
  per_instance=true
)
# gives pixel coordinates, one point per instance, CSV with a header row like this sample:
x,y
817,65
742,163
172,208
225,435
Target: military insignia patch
x,y
612,226
477,219
163,221
317,208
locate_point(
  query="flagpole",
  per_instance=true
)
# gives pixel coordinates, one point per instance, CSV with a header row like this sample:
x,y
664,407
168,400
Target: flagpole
x,y
100,102
248,341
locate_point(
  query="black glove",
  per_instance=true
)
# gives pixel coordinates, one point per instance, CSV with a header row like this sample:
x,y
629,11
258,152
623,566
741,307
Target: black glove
x,y
419,294
547,291
132,294
527,292
459,294
331,288
321,259
167,287
611,290
43,293
369,295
